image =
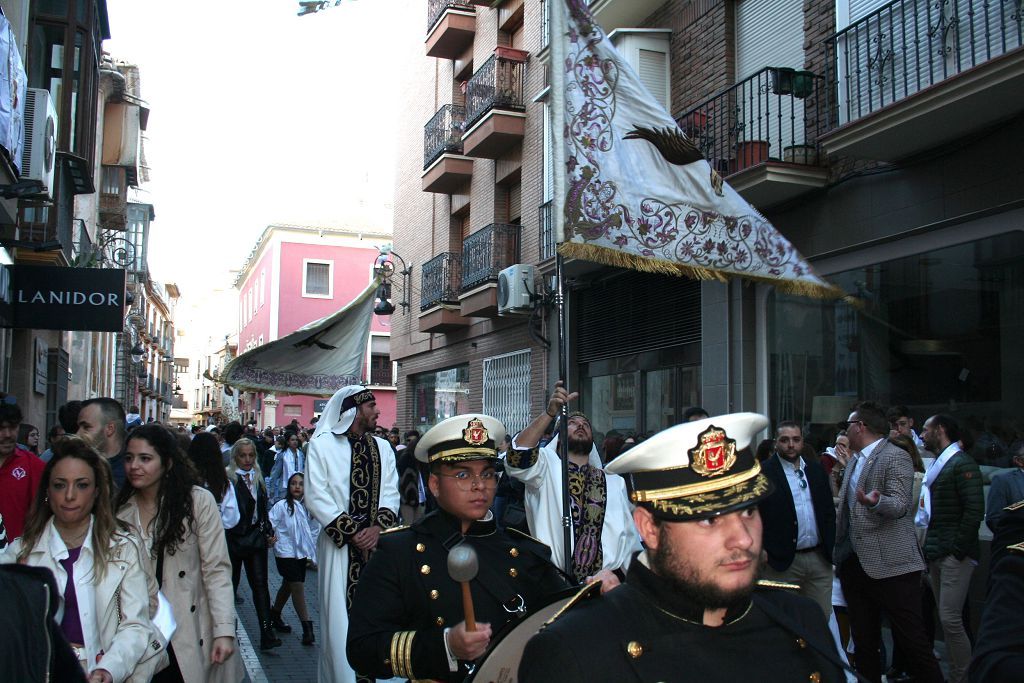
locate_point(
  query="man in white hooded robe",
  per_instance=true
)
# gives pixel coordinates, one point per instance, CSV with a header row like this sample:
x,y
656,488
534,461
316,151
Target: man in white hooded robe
x,y
352,491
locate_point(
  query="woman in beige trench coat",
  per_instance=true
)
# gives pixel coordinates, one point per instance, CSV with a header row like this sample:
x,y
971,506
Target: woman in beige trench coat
x,y
180,522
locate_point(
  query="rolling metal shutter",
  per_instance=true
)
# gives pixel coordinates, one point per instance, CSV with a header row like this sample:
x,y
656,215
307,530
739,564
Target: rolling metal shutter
x,y
636,312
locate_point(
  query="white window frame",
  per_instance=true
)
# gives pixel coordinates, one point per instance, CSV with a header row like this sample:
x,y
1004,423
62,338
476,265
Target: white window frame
x,y
506,388
330,278
263,287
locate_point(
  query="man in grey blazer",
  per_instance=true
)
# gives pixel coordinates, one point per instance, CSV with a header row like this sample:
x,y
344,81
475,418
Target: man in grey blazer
x,y
1007,488
876,554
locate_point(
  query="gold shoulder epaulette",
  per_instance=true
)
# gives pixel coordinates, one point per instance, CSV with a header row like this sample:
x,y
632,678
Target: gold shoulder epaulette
x,y
517,532
394,529
765,583
1016,548
1013,507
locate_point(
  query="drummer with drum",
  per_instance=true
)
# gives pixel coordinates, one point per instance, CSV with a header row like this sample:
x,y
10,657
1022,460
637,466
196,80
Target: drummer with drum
x,y
434,594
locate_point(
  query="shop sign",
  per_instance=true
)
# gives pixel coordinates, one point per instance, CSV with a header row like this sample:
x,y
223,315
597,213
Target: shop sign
x,y
57,298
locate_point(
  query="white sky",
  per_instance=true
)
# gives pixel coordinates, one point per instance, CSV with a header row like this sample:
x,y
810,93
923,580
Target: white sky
x,y
259,116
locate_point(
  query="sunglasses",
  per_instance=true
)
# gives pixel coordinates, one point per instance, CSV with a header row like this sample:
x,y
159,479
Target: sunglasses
x,y
846,423
800,476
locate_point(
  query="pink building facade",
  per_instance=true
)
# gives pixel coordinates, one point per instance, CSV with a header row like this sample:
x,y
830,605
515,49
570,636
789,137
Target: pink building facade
x,y
298,274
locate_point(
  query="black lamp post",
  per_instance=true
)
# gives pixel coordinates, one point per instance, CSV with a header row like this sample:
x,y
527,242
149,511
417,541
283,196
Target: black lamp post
x,y
386,268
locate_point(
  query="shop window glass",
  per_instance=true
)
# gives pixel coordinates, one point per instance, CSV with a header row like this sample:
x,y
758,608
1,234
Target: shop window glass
x,y
439,395
936,332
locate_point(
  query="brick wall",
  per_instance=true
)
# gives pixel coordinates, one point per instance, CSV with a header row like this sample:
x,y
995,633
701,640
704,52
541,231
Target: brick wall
x,y
426,224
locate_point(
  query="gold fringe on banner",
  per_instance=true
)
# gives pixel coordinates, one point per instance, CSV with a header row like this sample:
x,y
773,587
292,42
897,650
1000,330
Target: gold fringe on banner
x,y
620,259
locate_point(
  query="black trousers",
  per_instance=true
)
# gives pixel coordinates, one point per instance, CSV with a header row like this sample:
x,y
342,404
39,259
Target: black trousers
x,y
899,597
255,563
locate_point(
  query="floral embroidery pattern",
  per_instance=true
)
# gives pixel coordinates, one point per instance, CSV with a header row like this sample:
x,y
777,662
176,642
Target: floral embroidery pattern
x,y
626,206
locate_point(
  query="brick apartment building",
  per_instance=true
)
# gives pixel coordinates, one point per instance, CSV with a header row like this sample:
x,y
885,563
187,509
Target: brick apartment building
x,y
873,134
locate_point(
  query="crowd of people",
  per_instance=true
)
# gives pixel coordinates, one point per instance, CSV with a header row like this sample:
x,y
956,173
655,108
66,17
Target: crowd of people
x,y
427,546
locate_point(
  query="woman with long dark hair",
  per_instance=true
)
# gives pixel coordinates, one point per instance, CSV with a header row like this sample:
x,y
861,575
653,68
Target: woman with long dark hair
x,y
204,452
28,437
295,546
71,530
249,539
181,529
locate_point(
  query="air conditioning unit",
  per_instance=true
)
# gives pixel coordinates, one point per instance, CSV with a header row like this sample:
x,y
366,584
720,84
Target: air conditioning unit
x,y
39,154
514,286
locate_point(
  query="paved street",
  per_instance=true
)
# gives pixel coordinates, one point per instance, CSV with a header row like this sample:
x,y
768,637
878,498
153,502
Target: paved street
x,y
292,662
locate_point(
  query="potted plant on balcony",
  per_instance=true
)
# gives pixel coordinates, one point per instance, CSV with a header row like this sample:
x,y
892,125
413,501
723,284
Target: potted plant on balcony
x,y
803,83
782,80
750,153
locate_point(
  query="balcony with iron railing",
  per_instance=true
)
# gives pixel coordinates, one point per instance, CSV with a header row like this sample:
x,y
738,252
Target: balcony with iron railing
x,y
445,169
451,25
113,209
495,107
763,134
485,253
915,74
381,375
439,293
54,239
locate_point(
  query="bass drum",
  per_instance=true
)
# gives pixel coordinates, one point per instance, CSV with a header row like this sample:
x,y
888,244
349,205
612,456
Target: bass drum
x,y
500,664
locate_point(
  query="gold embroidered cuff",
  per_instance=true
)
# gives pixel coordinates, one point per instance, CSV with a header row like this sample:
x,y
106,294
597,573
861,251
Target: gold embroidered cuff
x,y
522,458
401,654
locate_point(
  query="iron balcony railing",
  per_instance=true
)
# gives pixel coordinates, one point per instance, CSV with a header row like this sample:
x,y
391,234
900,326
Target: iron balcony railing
x,y
443,133
440,281
547,230
498,84
487,252
381,376
908,45
769,116
436,8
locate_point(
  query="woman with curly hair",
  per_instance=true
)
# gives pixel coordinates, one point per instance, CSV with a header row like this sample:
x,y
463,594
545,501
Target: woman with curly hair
x,y
180,526
249,539
71,530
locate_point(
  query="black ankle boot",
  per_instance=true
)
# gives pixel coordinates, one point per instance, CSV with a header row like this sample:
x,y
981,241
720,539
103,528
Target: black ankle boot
x,y
268,639
307,633
275,620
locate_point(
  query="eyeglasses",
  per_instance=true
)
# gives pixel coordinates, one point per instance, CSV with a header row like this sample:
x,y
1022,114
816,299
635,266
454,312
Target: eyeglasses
x,y
846,423
800,476
465,481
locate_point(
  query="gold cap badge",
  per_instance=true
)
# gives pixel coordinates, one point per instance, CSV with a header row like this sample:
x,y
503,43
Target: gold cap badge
x,y
475,433
715,453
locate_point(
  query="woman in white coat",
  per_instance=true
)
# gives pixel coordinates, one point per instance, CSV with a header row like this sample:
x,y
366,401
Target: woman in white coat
x,y
71,530
180,527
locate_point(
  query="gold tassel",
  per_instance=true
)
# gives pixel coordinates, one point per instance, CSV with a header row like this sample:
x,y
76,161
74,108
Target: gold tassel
x,y
620,259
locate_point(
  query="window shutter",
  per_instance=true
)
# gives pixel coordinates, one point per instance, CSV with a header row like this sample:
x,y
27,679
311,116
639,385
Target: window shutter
x,y
651,67
318,278
647,51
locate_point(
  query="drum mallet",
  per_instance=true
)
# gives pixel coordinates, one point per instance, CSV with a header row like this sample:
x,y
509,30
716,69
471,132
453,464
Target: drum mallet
x,y
462,567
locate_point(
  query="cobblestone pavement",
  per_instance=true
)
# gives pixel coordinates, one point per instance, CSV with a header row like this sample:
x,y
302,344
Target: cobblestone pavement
x,y
292,662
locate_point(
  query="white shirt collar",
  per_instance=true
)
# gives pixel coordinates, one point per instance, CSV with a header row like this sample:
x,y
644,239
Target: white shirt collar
x,y
869,449
798,465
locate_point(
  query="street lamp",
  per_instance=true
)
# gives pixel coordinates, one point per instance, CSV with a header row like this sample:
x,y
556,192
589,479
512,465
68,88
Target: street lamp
x,y
137,353
386,269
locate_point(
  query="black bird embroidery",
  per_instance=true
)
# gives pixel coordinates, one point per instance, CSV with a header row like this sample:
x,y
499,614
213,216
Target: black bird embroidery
x,y
676,149
314,340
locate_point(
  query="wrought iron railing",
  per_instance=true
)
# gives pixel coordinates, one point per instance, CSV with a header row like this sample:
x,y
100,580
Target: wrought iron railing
x,y
440,280
498,84
435,8
443,133
486,252
908,45
545,219
764,117
381,376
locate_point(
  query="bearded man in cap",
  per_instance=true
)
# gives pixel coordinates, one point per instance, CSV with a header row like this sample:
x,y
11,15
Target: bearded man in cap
x,y
691,608
352,490
603,538
408,614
